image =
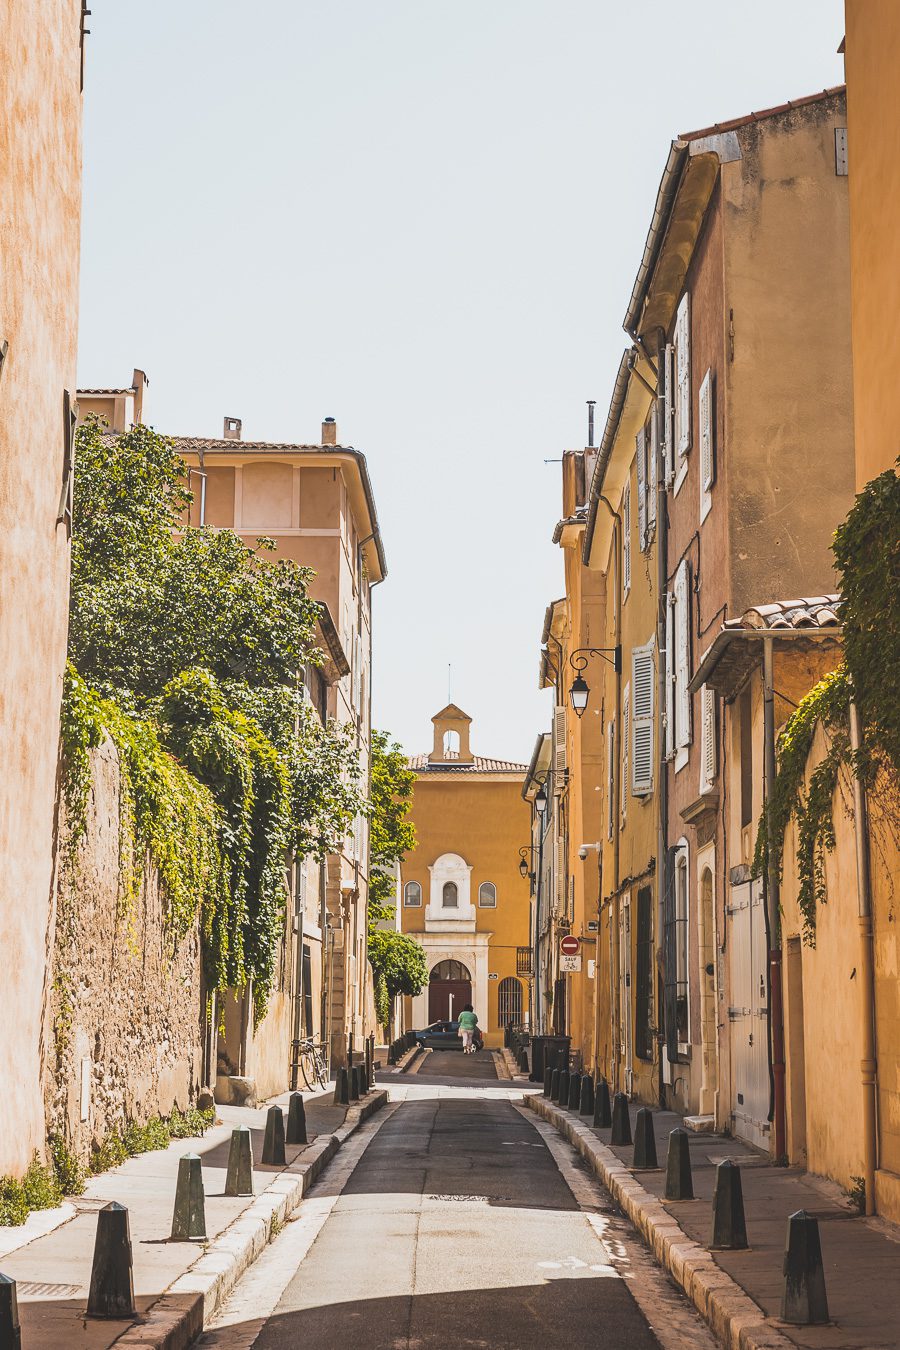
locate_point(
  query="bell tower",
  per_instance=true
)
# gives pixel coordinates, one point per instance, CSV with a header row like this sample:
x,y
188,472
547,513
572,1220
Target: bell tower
x,y
451,737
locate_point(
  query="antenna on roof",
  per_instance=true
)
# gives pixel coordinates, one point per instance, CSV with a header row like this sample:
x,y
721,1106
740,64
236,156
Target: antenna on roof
x,y
449,683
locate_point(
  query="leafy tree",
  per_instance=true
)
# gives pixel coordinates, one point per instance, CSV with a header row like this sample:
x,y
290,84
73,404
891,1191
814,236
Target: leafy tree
x,y
400,960
391,834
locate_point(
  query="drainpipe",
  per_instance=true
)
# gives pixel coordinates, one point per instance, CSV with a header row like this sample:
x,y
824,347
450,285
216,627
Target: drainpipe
x,y
662,795
617,788
776,1010
868,1063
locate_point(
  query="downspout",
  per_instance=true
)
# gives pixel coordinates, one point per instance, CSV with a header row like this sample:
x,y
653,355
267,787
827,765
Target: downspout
x,y
538,1010
773,916
662,796
868,1061
617,789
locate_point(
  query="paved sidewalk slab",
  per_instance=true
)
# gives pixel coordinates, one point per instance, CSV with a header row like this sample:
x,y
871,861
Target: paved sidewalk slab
x,y
53,1271
739,1293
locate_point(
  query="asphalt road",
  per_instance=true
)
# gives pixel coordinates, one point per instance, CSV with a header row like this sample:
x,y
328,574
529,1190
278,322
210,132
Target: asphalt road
x,y
455,1225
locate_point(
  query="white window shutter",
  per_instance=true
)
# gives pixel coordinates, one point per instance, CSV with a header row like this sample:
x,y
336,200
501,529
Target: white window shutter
x,y
652,468
683,393
682,656
669,414
559,744
610,776
640,460
626,539
626,729
670,676
643,677
708,764
707,445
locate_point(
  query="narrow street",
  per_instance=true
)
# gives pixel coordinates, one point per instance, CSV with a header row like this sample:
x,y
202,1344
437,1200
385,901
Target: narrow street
x,y
456,1219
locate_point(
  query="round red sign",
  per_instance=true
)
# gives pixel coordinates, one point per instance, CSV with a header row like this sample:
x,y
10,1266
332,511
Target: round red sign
x,y
569,946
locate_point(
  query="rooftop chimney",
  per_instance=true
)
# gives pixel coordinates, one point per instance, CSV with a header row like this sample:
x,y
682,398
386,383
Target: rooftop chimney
x,y
329,431
232,430
139,383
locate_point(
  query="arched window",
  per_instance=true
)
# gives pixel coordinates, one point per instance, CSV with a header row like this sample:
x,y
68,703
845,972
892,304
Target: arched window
x,y
451,895
487,895
412,894
509,1002
451,745
449,970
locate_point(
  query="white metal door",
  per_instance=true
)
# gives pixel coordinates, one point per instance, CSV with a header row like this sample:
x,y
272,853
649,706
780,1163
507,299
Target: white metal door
x,y
748,1021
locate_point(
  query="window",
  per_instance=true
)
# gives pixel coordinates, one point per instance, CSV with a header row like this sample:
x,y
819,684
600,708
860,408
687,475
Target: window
x,y
509,1002
487,895
668,414
412,894
682,656
646,452
640,464
682,992
451,745
450,895
683,376
707,445
642,679
626,722
626,540
745,716
643,994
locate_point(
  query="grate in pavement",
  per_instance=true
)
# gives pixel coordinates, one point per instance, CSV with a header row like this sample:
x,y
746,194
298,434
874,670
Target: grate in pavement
x,y
43,1289
457,1197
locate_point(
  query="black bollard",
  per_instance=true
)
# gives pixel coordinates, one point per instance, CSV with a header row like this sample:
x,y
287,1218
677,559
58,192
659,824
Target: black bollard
x,y
554,1085
239,1176
564,1087
586,1104
10,1332
729,1230
112,1284
574,1091
523,1060
392,1053
621,1121
679,1182
644,1140
548,1082
296,1126
341,1088
804,1301
602,1109
189,1214
354,1083
273,1139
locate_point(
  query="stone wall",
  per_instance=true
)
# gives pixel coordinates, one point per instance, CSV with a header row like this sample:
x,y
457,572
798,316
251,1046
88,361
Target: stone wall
x,y
124,1034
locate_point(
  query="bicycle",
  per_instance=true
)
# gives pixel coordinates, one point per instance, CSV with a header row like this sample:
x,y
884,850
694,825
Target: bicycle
x,y
309,1056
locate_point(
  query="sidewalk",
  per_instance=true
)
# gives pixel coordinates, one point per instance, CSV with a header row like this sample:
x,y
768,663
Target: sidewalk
x,y
53,1271
739,1293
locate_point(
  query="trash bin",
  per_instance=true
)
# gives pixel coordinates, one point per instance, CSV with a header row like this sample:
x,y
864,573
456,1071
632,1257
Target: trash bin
x,y
545,1052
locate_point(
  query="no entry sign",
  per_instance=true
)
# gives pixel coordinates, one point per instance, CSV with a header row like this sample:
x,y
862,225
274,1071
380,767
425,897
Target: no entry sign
x,y
569,945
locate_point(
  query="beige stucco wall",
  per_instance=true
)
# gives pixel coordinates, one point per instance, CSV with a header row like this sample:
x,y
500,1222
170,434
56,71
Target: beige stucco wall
x,y
789,391
125,1009
40,207
873,117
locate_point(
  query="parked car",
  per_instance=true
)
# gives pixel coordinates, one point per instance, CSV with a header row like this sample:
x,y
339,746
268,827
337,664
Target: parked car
x,y
445,1036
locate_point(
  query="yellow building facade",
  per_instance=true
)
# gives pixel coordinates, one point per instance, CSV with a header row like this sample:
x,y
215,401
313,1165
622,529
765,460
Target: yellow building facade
x,y
463,897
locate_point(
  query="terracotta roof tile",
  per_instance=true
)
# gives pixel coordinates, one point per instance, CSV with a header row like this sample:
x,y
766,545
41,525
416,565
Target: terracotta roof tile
x,y
479,765
748,118
819,611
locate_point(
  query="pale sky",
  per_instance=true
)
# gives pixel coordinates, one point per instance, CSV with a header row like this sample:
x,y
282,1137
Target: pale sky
x,y
423,218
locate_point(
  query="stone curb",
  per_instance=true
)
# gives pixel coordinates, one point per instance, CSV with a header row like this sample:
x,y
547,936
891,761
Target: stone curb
x,y
731,1314
406,1059
179,1315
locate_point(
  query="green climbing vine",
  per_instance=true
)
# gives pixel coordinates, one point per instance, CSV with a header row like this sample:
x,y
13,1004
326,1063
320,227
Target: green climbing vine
x,y
867,553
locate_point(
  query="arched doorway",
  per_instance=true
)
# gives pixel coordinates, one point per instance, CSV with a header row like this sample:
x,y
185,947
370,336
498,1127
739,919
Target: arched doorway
x,y
449,990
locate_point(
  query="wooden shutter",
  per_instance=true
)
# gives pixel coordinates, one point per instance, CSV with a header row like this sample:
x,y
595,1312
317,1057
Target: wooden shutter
x,y
670,676
610,776
626,728
559,744
682,656
708,765
652,467
683,357
642,681
640,461
626,539
707,435
70,422
669,414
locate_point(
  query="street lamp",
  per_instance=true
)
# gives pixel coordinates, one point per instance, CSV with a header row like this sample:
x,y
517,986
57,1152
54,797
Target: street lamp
x,y
580,691
524,869
540,799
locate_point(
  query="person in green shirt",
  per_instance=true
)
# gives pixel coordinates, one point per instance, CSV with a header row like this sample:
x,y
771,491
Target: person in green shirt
x,y
467,1024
